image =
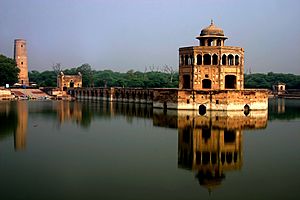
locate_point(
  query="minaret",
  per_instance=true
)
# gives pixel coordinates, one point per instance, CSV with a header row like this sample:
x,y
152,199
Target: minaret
x,y
20,56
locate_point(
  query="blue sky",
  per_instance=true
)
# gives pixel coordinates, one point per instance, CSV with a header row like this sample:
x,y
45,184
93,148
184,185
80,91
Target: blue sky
x,y
134,34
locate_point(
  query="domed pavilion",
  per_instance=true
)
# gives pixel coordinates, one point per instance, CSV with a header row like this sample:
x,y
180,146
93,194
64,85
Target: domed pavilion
x,y
211,65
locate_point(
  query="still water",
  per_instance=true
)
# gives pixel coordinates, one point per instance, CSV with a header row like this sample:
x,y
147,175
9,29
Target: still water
x,y
99,150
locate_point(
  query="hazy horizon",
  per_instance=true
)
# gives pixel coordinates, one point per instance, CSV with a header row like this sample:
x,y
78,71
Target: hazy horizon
x,y
132,34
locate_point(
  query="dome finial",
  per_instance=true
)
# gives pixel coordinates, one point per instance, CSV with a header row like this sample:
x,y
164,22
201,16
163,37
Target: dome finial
x,y
211,22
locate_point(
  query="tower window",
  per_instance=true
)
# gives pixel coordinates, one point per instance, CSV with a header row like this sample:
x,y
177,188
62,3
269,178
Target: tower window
x,y
224,59
207,59
236,59
215,59
21,63
230,59
199,59
21,45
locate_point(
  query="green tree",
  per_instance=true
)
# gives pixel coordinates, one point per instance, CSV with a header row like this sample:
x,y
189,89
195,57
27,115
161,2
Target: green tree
x,y
87,75
8,71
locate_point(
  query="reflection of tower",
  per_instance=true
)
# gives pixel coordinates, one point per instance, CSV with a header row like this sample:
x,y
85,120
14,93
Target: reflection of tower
x,y
20,56
208,149
21,130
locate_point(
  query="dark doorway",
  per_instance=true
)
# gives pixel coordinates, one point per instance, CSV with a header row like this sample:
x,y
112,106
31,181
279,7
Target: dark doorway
x,y
206,84
71,84
230,82
202,109
186,82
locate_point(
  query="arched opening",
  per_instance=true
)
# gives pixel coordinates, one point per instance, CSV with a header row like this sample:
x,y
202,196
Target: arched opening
x,y
230,59
218,42
186,81
181,60
215,59
281,88
199,59
71,84
209,42
207,59
186,59
230,82
190,60
237,60
206,84
202,109
246,109
224,58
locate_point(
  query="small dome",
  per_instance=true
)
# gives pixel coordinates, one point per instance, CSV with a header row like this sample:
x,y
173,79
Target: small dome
x,y
212,30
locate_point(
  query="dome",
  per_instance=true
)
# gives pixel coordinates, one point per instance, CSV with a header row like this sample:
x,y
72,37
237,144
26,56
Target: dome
x,y
212,30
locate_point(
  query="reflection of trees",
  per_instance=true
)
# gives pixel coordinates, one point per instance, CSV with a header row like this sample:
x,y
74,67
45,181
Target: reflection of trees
x,y
280,108
8,118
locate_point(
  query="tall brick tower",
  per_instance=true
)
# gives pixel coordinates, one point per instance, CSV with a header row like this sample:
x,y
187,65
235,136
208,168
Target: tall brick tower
x,y
20,55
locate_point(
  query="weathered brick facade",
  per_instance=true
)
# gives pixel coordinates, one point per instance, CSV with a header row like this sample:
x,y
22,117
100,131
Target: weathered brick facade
x,y
20,56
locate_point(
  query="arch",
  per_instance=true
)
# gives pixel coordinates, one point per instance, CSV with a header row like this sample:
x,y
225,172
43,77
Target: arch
x,y
207,59
246,109
190,60
219,43
145,95
209,42
186,81
181,60
199,59
224,59
71,84
202,109
206,84
230,82
230,59
186,59
215,59
237,60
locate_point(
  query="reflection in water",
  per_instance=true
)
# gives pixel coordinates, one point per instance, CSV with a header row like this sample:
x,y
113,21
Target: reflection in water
x,y
211,144
280,108
21,129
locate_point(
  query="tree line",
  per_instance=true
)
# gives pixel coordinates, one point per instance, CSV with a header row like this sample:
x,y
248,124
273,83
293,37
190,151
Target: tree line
x,y
151,77
157,77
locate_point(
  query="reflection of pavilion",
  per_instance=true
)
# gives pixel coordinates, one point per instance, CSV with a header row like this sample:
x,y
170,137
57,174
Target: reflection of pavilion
x,y
211,144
